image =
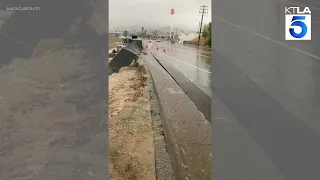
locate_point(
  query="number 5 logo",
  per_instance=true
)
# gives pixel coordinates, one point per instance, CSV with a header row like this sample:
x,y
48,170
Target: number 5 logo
x,y
298,22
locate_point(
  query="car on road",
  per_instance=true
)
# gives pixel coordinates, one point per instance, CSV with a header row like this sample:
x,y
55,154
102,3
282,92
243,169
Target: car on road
x,y
173,41
158,40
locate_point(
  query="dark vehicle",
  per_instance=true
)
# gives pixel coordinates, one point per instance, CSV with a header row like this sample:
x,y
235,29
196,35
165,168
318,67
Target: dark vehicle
x,y
134,36
173,41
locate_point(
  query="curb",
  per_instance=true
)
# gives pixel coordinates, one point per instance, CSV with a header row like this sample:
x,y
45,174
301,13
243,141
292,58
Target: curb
x,y
187,134
163,159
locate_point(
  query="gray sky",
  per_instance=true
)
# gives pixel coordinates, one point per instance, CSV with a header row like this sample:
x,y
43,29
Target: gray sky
x,y
156,13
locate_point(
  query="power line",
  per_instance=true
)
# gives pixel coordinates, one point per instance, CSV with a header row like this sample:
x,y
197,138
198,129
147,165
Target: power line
x,y
203,10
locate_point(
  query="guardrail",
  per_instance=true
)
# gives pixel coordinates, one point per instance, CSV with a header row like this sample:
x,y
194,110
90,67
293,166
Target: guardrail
x,y
125,56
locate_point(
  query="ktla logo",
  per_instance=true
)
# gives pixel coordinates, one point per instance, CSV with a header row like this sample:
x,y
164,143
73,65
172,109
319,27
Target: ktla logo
x,y
298,23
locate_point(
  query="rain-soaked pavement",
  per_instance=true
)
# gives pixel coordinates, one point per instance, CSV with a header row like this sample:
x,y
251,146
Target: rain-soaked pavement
x,y
271,87
194,63
190,67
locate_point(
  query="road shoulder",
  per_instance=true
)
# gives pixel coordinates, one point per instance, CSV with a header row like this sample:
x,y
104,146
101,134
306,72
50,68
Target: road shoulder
x,y
187,133
164,169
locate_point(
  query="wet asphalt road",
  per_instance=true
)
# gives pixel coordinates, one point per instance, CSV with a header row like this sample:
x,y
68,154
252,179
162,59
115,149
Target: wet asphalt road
x,y
192,62
271,87
190,68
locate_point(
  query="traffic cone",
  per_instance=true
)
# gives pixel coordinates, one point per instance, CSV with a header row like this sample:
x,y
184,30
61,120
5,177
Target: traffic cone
x,y
164,50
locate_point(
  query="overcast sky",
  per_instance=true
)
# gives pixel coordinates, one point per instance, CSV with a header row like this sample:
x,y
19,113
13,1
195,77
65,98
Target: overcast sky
x,y
156,13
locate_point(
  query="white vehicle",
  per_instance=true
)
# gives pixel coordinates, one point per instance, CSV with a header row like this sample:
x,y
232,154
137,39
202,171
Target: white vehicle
x,y
158,40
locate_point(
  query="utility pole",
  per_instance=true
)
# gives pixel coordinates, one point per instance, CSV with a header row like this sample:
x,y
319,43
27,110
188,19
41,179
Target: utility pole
x,y
203,10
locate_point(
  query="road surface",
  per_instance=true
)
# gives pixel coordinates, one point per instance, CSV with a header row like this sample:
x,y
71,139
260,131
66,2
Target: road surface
x,y
271,87
190,67
193,62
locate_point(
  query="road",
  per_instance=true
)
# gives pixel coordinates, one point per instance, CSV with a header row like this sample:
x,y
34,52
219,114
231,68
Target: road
x,y
271,88
191,69
193,62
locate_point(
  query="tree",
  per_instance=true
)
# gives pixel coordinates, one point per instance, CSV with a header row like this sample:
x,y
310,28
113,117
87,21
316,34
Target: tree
x,y
125,33
143,33
205,33
154,33
209,29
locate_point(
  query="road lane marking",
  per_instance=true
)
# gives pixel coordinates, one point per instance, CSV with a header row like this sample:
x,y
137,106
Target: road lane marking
x,y
266,37
186,63
185,51
191,52
182,46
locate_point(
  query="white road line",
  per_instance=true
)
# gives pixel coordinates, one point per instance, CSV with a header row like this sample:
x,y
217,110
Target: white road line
x,y
186,63
266,37
186,51
192,53
190,47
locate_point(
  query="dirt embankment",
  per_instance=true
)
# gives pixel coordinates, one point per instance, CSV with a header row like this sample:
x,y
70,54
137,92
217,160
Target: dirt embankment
x,y
131,149
113,41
